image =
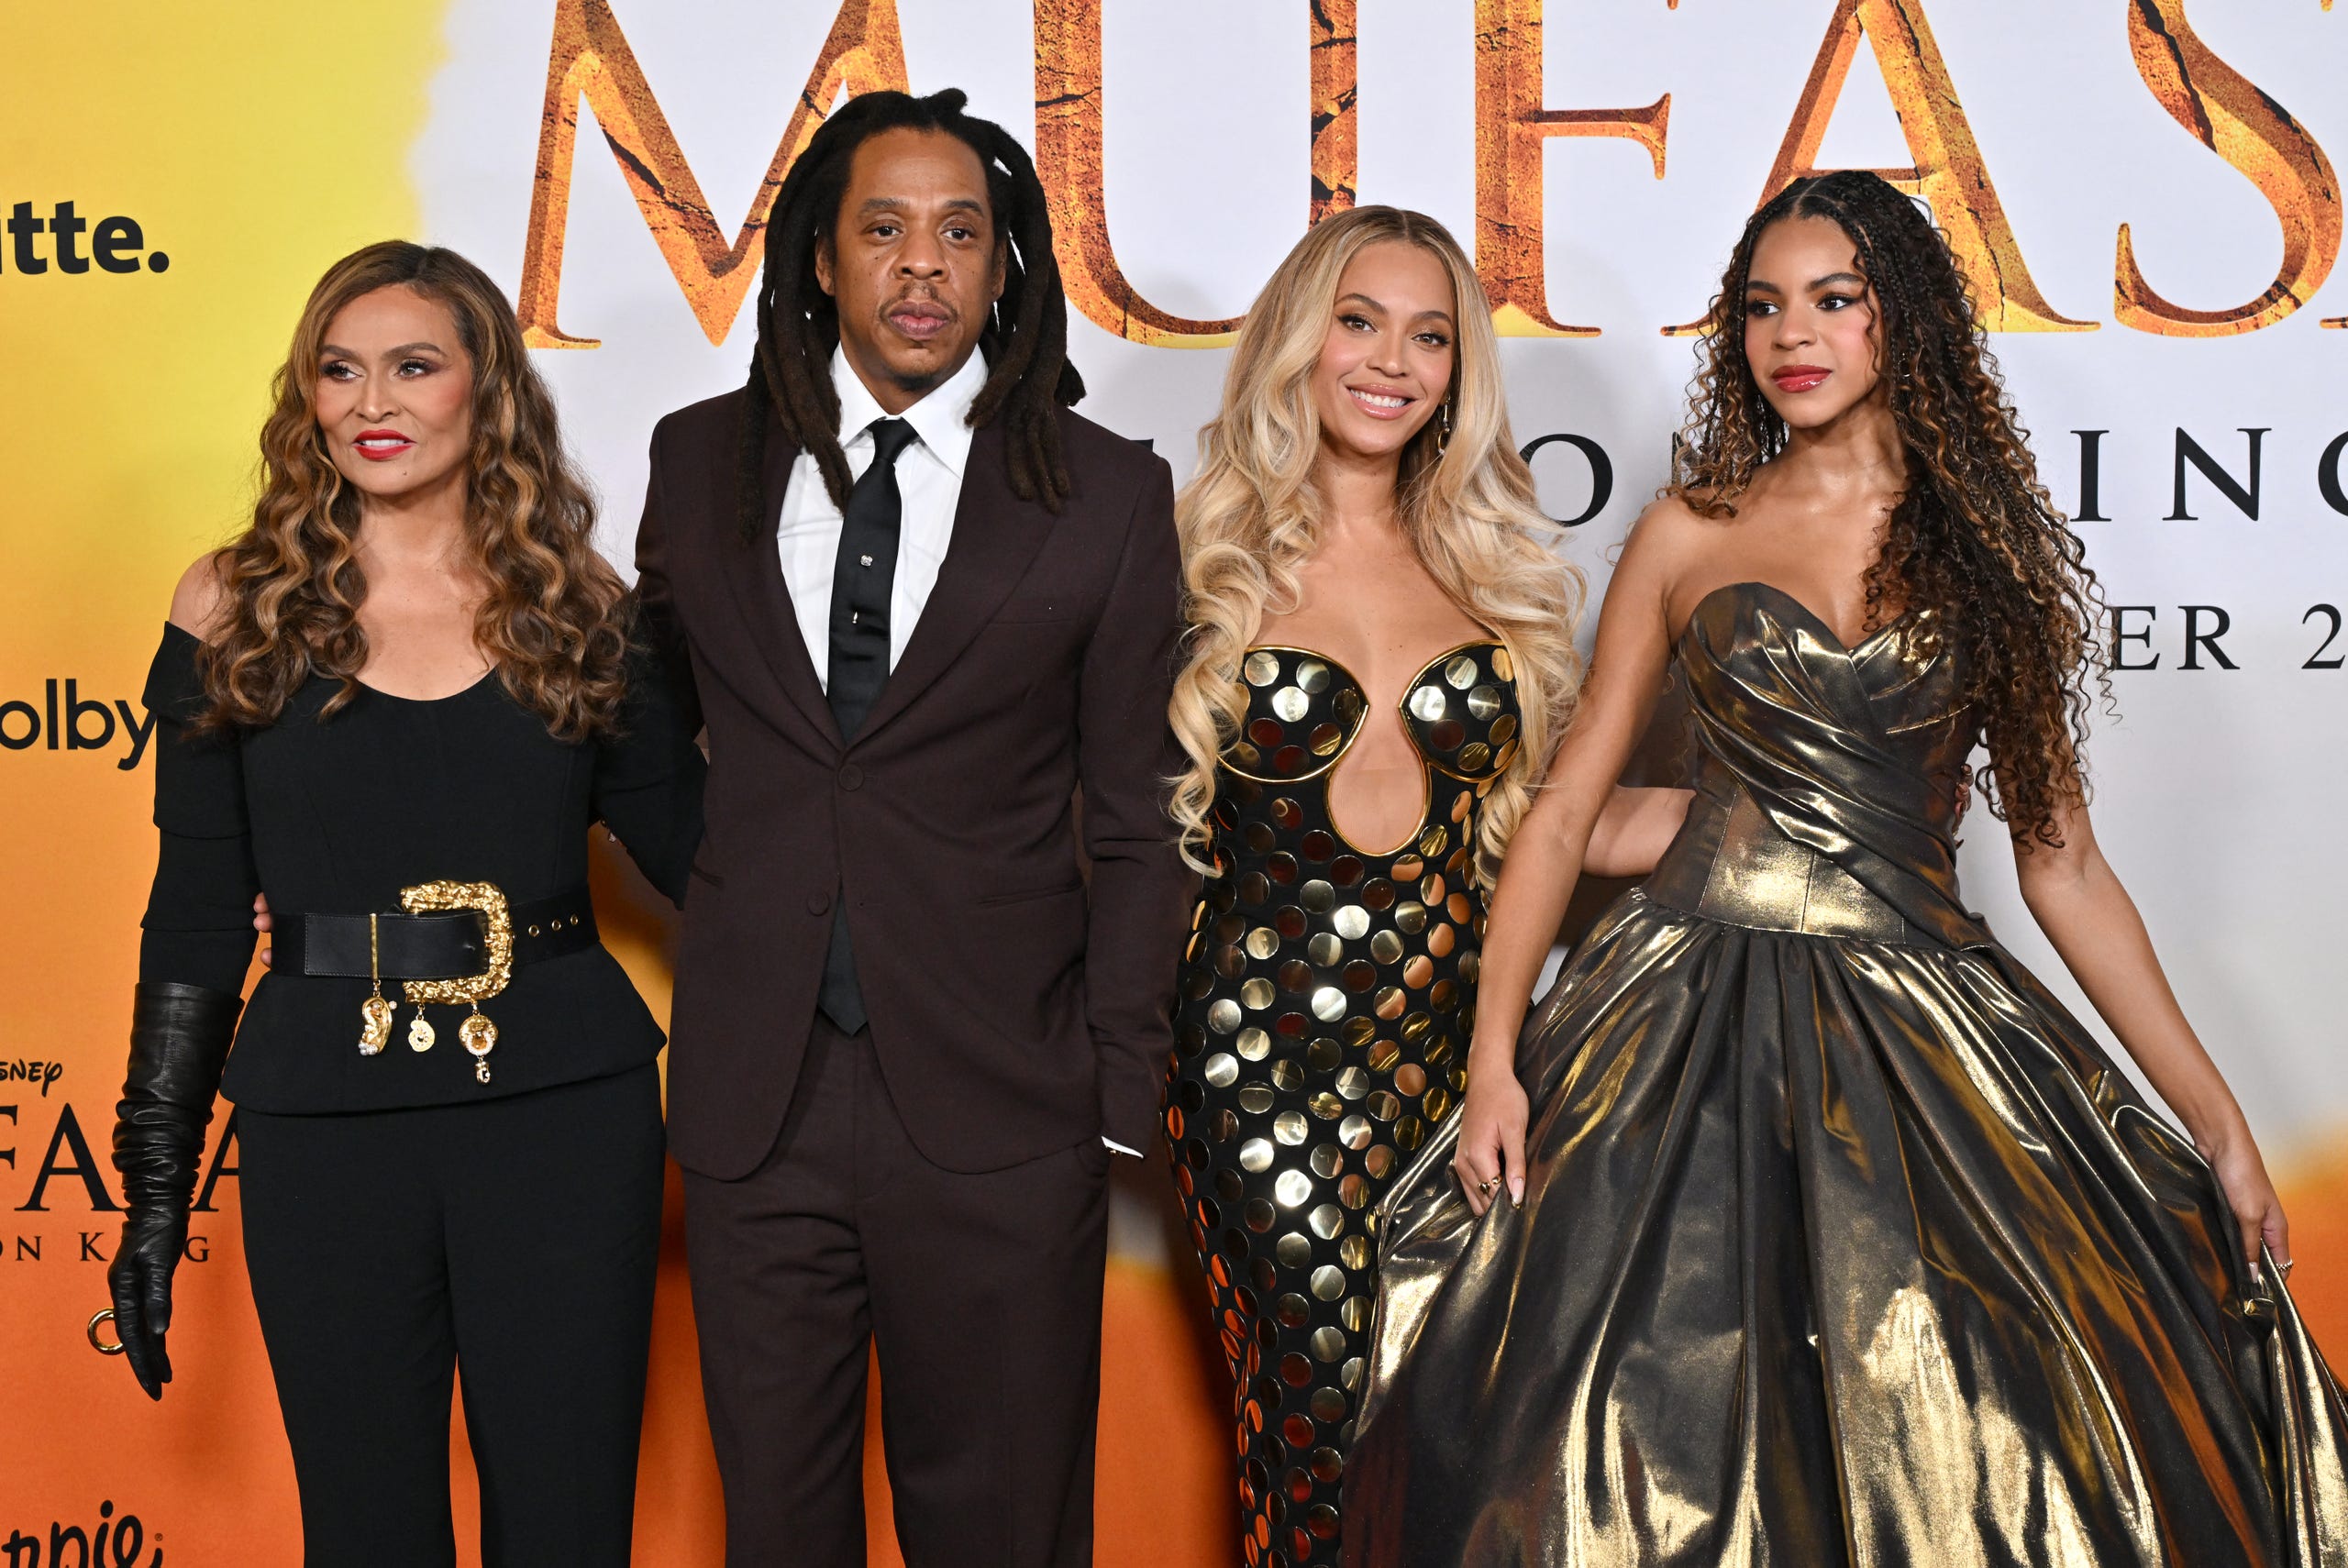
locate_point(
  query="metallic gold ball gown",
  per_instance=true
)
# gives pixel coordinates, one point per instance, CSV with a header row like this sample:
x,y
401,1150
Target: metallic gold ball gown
x,y
1327,995
1842,1242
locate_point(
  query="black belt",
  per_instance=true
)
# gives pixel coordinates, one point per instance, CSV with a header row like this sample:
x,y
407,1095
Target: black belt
x,y
426,947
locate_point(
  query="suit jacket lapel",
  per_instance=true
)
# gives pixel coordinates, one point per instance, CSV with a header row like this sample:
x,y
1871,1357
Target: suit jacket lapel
x,y
765,599
996,538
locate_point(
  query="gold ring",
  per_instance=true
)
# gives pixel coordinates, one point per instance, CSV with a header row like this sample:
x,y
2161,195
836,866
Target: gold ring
x,y
2282,1270
102,1316
1488,1187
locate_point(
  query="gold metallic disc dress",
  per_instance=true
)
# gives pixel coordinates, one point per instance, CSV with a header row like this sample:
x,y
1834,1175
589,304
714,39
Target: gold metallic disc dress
x,y
1327,995
1843,1243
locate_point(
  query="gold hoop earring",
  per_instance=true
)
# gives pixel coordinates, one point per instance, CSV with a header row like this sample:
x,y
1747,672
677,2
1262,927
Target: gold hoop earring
x,y
1442,435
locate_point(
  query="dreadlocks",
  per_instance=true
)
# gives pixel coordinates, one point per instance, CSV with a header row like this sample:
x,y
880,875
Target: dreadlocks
x,y
1975,539
1024,341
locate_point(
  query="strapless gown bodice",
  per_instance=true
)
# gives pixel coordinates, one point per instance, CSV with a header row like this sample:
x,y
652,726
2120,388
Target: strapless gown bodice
x,y
1827,779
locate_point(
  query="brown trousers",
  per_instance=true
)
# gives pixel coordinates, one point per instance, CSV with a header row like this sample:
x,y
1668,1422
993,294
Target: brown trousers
x,y
982,1295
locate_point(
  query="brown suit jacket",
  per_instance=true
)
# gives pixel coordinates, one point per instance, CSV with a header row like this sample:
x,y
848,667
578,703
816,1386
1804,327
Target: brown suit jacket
x,y
1014,1011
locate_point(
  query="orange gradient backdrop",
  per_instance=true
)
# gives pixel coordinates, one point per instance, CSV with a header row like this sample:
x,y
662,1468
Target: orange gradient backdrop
x,y
253,150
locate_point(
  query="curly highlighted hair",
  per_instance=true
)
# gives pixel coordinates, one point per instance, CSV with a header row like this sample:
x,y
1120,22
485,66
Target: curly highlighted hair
x,y
554,619
1974,543
1250,517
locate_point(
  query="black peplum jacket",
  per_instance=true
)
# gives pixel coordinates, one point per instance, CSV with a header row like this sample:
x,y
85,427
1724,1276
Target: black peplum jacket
x,y
336,815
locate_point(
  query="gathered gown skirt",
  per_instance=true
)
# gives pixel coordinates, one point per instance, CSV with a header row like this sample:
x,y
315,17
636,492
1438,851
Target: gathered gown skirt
x,y
1843,1242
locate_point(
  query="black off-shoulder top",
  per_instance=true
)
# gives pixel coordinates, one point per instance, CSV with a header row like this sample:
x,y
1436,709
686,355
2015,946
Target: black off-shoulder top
x,y
336,815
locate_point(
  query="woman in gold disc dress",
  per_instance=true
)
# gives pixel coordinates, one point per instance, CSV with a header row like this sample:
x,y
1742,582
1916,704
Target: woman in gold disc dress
x,y
1811,1229
1378,660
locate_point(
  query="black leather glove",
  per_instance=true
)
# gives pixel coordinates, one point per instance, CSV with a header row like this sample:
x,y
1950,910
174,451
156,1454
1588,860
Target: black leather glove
x,y
179,1043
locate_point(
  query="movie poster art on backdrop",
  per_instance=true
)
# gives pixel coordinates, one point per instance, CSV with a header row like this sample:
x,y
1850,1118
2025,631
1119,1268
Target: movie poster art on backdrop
x,y
2142,192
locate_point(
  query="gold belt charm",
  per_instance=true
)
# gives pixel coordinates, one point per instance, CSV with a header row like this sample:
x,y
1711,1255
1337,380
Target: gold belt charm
x,y
477,1033
375,1012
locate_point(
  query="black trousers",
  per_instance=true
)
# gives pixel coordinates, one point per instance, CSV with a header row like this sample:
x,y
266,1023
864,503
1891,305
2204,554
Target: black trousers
x,y
516,1239
981,1294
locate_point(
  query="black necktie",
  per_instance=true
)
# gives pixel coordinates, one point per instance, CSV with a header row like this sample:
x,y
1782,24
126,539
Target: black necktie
x,y
862,579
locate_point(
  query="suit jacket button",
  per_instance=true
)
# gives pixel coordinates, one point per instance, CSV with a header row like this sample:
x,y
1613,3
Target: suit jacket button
x,y
851,777
818,902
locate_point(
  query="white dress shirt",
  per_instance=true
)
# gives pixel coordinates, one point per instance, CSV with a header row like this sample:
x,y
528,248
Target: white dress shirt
x,y
929,482
929,485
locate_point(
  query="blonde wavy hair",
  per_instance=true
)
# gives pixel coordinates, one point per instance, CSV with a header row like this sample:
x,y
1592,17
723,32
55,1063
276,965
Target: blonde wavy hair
x,y
554,619
1250,517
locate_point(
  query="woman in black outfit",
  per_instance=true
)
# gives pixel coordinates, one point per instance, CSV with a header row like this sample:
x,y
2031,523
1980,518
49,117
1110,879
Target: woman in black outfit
x,y
395,705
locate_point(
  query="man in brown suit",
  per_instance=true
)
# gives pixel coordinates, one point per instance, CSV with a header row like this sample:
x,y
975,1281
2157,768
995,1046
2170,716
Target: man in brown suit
x,y
921,604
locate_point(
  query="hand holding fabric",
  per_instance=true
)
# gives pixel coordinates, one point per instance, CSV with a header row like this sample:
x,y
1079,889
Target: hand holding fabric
x,y
1491,1153
2243,1182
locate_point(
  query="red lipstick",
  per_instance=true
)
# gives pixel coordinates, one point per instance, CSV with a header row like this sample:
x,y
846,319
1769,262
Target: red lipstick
x,y
382,446
1799,378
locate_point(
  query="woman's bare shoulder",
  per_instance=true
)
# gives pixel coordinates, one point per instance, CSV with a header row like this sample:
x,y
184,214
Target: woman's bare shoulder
x,y
200,601
1665,537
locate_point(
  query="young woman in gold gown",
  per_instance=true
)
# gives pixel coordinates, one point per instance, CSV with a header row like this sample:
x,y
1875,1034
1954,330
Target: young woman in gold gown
x,y
1809,1228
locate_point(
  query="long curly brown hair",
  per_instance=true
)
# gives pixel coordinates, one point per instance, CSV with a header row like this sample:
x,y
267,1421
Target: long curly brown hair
x,y
553,621
1974,546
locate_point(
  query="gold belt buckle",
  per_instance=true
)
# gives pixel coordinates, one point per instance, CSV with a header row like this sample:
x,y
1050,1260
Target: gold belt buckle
x,y
486,899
